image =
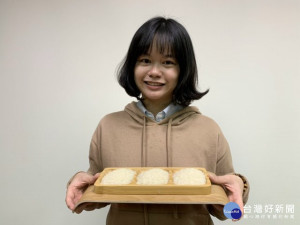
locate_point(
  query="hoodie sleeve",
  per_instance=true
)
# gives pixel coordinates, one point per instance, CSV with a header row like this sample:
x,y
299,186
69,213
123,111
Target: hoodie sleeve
x,y
224,159
225,166
95,159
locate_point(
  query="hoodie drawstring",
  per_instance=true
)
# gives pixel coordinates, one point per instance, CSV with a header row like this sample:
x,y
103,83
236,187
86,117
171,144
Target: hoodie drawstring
x,y
168,143
169,158
144,164
144,154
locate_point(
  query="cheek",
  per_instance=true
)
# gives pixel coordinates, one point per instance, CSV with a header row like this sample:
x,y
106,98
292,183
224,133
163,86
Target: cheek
x,y
138,74
175,78
137,77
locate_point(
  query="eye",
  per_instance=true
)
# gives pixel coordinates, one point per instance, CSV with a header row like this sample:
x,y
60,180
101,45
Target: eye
x,y
169,62
144,60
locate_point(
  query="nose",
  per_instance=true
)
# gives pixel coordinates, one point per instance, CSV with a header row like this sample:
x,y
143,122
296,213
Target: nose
x,y
155,71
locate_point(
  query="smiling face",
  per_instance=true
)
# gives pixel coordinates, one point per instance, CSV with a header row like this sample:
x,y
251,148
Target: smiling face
x,y
156,76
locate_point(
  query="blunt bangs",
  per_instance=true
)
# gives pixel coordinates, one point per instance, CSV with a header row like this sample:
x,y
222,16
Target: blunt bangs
x,y
159,35
164,43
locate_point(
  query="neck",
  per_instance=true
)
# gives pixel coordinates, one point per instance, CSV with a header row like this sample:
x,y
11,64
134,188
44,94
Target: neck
x,y
155,107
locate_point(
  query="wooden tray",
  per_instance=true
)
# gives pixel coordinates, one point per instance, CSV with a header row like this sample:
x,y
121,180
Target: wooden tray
x,y
167,189
217,196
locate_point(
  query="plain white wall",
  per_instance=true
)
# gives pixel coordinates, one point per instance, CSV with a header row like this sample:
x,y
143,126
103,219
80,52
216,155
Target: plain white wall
x,y
57,80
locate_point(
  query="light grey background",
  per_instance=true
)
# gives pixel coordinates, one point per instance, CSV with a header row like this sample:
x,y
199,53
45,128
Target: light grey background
x,y
57,80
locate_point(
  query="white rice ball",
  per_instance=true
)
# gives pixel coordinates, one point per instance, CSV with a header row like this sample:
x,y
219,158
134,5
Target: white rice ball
x,y
153,176
119,176
189,176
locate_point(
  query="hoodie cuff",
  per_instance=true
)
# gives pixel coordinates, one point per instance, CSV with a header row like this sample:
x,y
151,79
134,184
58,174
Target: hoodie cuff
x,y
246,188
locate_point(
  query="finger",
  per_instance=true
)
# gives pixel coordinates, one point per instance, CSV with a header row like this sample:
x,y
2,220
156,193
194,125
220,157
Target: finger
x,y
70,199
239,202
95,177
86,179
218,179
69,204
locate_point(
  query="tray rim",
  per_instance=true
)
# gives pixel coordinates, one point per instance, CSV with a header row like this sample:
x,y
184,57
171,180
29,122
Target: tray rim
x,y
217,196
181,189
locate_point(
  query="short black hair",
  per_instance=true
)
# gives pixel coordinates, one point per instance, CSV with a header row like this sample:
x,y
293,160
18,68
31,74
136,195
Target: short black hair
x,y
170,36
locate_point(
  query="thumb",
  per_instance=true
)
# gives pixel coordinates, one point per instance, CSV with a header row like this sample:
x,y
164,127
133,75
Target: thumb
x,y
97,175
94,178
86,178
217,179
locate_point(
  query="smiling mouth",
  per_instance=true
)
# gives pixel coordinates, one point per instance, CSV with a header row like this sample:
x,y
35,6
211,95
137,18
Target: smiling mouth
x,y
153,83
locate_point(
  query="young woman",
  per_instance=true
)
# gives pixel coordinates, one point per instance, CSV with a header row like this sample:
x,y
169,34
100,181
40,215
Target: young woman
x,y
160,130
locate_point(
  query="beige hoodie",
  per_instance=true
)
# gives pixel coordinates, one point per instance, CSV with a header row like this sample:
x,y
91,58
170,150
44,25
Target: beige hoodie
x,y
186,139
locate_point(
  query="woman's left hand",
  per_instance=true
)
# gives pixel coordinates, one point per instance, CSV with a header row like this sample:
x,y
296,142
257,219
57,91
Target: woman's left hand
x,y
233,186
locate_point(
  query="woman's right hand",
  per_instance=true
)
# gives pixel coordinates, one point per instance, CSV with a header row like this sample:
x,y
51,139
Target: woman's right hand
x,y
76,188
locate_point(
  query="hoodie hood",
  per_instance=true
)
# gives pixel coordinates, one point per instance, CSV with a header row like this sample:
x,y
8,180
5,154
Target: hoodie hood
x,y
177,118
